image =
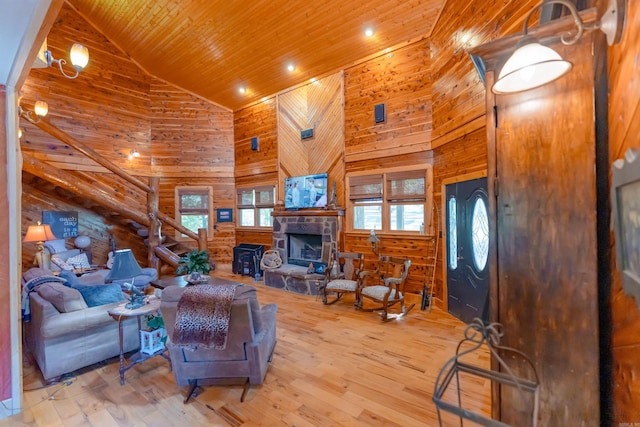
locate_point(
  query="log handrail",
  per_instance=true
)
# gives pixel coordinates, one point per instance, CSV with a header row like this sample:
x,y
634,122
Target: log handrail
x,y
201,237
74,185
90,153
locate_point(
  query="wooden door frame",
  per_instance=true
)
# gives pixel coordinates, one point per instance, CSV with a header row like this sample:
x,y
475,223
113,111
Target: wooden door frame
x,y
443,221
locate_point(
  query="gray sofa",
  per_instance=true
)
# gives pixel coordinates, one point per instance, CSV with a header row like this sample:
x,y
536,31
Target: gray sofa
x,y
64,333
250,342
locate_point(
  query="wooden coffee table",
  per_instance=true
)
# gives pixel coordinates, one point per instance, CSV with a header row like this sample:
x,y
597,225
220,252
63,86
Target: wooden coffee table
x,y
181,281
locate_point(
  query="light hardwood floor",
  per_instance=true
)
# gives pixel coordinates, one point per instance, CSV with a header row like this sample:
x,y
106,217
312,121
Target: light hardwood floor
x,y
332,366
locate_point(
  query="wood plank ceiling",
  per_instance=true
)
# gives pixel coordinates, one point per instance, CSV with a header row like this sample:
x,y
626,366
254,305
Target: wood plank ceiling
x,y
213,47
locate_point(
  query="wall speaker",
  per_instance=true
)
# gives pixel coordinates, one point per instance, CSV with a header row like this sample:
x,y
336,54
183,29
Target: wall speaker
x,y
255,143
378,113
306,133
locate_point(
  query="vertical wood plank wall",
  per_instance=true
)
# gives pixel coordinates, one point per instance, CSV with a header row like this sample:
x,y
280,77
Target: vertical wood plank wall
x,y
624,128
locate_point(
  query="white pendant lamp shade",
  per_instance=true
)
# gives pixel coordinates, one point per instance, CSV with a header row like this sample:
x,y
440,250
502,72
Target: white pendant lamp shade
x,y
79,56
530,66
41,108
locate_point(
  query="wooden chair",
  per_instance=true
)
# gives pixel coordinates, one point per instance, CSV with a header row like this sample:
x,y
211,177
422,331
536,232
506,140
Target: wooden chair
x,y
349,265
385,287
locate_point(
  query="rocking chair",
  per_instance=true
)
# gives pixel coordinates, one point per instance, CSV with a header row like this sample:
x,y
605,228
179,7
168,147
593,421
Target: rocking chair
x,y
385,287
349,266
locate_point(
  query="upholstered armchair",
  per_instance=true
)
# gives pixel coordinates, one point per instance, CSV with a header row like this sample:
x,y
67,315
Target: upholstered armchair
x,y
250,342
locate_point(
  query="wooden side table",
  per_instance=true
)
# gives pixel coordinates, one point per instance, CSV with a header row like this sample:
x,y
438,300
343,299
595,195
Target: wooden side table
x,y
120,313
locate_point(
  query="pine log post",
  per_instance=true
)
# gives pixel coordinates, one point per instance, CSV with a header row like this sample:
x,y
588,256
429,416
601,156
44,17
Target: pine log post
x,y
154,224
202,239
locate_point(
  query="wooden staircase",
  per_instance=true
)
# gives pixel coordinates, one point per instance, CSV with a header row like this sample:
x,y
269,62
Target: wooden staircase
x,y
117,199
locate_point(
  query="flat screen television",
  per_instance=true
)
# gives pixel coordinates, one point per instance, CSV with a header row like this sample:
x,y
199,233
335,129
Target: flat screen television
x,y
306,191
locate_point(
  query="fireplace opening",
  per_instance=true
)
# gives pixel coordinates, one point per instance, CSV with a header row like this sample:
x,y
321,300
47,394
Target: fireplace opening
x,y
304,249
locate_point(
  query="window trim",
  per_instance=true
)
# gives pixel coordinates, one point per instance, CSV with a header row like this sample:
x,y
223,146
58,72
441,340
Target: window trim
x,y
195,189
256,207
386,201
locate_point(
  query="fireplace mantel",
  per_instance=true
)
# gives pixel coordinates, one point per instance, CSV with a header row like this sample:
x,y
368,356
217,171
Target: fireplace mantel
x,y
308,212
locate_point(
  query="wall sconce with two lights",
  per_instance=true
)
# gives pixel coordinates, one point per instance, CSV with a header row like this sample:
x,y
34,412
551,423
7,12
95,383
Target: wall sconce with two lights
x,y
79,56
533,65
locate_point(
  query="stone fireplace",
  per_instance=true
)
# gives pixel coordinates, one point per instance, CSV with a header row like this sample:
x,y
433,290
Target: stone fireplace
x,y
302,238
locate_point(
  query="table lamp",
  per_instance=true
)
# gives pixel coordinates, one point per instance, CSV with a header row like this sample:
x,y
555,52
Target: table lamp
x,y
39,233
125,267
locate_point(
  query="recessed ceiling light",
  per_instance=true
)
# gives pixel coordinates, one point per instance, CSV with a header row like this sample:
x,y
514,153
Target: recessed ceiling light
x,y
241,89
291,67
313,80
369,32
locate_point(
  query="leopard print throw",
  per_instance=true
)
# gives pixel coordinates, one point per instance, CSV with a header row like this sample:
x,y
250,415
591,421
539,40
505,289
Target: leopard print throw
x,y
202,317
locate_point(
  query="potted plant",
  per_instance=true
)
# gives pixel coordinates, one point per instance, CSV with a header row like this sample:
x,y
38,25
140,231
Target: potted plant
x,y
153,336
194,262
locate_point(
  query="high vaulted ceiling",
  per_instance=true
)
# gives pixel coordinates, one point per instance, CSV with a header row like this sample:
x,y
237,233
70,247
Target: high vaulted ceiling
x,y
213,47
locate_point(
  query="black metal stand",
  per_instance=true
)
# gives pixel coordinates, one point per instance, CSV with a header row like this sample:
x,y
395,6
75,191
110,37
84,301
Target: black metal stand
x,y
475,335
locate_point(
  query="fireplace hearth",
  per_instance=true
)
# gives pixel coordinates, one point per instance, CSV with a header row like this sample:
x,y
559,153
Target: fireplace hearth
x,y
303,237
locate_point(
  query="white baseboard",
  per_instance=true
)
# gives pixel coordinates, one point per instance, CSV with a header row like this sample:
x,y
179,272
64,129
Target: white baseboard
x,y
5,409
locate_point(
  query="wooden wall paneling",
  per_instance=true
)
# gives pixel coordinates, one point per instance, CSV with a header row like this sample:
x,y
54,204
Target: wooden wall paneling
x,y
624,126
546,279
6,295
293,117
106,107
401,80
223,196
458,92
259,121
189,135
318,105
326,151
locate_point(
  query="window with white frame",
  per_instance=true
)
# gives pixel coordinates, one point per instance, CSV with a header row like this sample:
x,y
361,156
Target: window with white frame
x,y
193,209
255,206
389,201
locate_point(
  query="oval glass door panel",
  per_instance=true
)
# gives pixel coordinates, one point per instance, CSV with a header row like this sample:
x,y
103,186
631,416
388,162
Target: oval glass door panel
x,y
480,234
453,234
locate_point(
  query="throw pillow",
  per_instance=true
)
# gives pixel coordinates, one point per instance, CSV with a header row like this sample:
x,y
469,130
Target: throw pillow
x,y
95,295
62,264
79,261
55,246
72,279
63,298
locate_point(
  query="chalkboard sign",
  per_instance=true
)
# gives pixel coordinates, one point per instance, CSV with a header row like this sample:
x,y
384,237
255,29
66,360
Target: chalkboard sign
x,y
63,223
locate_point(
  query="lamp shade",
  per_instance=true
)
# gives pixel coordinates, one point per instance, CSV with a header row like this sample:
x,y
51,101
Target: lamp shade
x,y
82,242
124,266
41,108
530,66
79,56
39,233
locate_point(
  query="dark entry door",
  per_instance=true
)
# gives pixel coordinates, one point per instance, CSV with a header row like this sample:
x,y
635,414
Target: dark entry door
x,y
467,249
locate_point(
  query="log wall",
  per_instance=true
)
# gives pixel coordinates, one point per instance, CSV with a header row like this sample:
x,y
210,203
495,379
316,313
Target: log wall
x,y
624,128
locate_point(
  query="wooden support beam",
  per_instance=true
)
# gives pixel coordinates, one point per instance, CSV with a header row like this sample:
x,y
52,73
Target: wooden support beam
x,y
202,239
79,187
90,153
154,223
